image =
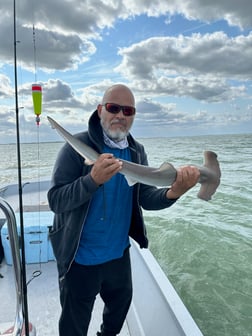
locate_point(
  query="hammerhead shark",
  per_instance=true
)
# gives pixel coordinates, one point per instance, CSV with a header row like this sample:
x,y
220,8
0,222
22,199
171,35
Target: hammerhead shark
x,y
165,175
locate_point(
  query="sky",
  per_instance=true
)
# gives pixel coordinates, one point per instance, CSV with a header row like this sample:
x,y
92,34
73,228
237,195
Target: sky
x,y
188,63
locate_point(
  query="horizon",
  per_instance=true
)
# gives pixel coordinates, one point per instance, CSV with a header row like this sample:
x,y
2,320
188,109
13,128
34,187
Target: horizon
x,y
138,138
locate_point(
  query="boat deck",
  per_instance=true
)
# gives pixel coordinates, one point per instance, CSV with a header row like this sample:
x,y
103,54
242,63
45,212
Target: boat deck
x,y
43,300
42,291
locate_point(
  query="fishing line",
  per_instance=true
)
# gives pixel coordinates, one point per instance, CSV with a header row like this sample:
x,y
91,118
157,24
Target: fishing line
x,y
35,274
38,150
34,53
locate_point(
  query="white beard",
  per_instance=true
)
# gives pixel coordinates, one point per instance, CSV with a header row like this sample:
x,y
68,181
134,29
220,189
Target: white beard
x,y
116,135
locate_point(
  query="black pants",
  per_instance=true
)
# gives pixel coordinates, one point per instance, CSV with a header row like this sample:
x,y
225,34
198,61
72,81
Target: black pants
x,y
79,289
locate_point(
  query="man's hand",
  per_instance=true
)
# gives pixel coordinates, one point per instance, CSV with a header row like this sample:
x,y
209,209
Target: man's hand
x,y
104,168
187,177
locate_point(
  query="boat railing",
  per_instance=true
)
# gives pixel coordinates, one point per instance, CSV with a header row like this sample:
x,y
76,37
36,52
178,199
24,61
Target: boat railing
x,y
156,307
15,251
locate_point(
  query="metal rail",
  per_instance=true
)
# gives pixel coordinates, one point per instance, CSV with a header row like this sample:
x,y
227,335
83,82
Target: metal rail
x,y
14,245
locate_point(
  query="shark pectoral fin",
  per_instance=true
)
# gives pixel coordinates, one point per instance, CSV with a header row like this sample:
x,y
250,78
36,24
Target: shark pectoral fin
x,y
130,181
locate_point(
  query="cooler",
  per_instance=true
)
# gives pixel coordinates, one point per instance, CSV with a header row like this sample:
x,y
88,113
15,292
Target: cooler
x,y
37,245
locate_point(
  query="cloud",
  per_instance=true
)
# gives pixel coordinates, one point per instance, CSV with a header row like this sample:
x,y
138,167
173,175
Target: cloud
x,y
86,17
54,50
151,112
200,66
214,54
56,90
235,13
6,90
157,120
155,114
65,29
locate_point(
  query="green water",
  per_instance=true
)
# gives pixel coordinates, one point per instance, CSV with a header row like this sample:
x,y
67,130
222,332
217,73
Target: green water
x,y
205,248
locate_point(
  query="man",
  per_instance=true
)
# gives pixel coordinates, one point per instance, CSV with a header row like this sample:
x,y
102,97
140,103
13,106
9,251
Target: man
x,y
96,212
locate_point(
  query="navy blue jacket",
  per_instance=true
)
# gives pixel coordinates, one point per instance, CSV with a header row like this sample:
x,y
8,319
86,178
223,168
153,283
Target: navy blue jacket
x,y
72,189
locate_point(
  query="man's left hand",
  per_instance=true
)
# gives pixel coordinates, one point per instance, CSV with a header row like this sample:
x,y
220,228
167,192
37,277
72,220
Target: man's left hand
x,y
187,177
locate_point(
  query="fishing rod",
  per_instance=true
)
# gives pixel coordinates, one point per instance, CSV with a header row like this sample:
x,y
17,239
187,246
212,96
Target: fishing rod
x,y
20,191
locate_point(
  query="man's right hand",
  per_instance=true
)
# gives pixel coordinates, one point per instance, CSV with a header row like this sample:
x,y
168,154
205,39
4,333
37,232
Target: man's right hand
x,y
104,168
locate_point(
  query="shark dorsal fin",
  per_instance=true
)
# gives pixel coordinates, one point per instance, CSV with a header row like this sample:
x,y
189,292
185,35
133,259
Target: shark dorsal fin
x,y
166,165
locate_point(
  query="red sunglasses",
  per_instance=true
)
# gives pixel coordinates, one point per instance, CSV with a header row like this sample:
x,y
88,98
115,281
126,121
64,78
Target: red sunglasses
x,y
115,108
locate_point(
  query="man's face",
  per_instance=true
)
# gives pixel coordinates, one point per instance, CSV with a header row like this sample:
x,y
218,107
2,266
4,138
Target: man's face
x,y
117,125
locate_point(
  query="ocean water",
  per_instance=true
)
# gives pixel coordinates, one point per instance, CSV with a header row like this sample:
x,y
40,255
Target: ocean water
x,y
205,248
